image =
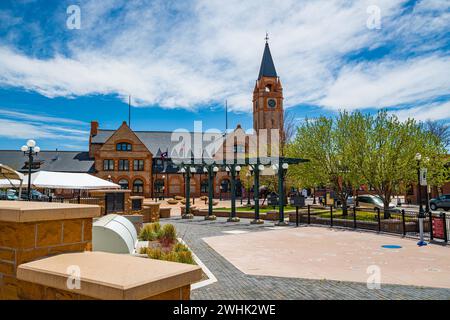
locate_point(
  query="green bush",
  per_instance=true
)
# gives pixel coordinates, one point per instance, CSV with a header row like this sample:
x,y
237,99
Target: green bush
x,y
168,233
185,257
155,253
143,250
179,247
150,232
171,256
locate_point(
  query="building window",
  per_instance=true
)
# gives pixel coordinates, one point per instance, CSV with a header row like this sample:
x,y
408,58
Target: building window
x,y
123,146
138,165
108,165
138,186
239,149
204,186
159,186
123,183
124,165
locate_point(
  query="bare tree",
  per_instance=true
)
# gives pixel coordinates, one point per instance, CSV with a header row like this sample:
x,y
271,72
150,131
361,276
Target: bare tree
x,y
289,129
440,129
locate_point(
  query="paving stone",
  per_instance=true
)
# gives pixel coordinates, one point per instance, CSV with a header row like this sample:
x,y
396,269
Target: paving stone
x,y
234,284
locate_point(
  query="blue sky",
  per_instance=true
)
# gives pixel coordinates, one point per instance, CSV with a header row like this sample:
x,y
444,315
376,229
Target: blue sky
x,y
180,61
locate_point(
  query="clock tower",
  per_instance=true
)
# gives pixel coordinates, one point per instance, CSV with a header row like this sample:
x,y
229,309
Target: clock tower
x,y
268,96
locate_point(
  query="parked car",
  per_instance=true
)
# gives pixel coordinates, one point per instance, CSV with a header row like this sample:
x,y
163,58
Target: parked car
x,y
35,195
441,202
372,202
9,194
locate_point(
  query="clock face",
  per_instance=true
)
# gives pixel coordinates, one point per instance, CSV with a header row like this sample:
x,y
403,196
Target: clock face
x,y
272,103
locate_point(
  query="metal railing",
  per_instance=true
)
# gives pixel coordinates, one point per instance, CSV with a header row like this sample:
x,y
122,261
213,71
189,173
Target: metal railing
x,y
398,221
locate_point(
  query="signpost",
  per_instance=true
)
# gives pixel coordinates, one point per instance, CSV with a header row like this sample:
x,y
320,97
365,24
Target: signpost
x,y
297,200
439,227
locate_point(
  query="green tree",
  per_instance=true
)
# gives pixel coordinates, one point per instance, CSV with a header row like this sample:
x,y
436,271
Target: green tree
x,y
330,146
387,159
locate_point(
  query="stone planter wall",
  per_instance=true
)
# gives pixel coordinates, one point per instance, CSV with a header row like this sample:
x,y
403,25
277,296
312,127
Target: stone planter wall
x,y
151,212
164,212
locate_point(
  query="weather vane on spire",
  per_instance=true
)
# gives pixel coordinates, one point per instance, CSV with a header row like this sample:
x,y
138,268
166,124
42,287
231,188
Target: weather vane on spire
x,y
267,37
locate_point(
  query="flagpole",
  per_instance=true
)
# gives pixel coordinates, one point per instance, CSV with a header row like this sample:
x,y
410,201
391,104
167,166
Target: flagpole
x,y
129,111
226,116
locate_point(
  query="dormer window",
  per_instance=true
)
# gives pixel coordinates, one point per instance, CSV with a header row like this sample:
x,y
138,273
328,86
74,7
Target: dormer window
x,y
123,146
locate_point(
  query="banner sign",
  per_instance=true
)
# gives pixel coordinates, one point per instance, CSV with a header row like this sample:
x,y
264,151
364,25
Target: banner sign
x,y
438,228
423,176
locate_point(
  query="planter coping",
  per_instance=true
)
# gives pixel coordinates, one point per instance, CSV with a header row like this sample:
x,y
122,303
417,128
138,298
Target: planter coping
x,y
29,211
110,276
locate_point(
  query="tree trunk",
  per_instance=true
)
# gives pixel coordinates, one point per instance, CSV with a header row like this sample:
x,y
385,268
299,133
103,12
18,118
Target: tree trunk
x,y
386,202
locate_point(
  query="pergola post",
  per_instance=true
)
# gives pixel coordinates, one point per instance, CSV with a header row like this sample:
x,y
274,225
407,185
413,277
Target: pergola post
x,y
257,220
187,214
233,217
281,172
211,173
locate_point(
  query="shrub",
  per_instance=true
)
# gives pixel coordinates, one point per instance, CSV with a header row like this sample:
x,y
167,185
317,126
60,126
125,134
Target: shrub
x,y
143,250
171,256
179,247
168,233
147,233
155,253
156,227
185,257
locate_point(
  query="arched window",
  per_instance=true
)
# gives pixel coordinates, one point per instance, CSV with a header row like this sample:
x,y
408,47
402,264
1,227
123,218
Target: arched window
x,y
123,146
138,186
123,183
204,186
225,185
159,186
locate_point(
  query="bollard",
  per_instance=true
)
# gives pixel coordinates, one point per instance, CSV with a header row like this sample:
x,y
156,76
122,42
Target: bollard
x,y
331,216
379,219
309,213
403,222
354,217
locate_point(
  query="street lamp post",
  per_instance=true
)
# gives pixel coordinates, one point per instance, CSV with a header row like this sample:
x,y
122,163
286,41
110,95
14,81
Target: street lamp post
x,y
281,174
212,171
232,170
187,170
421,242
30,150
248,174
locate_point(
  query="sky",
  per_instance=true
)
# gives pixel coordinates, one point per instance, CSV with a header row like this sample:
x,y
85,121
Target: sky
x,y
181,60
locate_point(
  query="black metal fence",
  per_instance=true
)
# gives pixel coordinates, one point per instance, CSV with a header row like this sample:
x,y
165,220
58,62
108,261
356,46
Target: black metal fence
x,y
79,200
436,226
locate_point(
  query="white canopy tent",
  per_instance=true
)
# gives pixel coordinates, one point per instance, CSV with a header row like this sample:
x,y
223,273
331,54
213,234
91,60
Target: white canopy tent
x,y
10,178
68,180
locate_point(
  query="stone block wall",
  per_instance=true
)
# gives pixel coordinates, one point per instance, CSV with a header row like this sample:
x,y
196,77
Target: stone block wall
x,y
25,242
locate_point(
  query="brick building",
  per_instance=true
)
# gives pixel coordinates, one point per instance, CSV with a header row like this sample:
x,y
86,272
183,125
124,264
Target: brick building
x,y
142,160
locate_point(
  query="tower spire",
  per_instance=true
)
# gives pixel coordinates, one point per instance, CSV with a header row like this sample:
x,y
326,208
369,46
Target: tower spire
x,y
267,68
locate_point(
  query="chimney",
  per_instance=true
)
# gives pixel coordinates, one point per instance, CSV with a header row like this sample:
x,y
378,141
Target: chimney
x,y
94,128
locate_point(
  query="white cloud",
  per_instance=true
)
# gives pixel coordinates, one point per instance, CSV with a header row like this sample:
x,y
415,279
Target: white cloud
x,y
18,125
389,83
192,54
434,111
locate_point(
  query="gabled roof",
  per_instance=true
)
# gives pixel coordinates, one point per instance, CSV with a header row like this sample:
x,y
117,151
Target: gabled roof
x,y
267,68
60,161
158,142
